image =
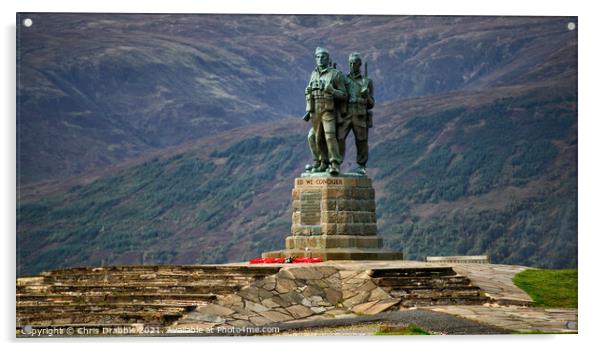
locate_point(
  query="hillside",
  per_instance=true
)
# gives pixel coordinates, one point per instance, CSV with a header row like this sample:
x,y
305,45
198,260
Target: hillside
x,y
489,172
97,89
169,138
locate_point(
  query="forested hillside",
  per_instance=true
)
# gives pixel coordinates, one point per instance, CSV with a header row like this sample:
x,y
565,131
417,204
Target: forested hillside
x,y
176,138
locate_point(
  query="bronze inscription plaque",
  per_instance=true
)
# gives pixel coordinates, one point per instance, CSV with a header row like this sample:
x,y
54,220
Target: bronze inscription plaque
x,y
311,207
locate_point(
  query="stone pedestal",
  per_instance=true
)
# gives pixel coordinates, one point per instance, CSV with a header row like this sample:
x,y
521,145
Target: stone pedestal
x,y
334,218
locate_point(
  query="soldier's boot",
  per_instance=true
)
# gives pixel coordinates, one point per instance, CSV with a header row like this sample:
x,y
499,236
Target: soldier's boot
x,y
334,169
322,167
361,169
310,168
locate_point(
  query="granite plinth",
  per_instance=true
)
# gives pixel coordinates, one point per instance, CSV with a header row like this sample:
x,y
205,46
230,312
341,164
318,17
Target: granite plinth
x,y
334,218
332,241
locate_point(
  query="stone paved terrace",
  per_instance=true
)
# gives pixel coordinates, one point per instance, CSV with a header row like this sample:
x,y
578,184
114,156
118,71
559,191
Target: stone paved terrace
x,y
291,293
517,318
332,290
494,279
509,309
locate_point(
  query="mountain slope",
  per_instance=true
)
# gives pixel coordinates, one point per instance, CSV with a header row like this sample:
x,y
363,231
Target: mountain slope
x,y
97,89
489,172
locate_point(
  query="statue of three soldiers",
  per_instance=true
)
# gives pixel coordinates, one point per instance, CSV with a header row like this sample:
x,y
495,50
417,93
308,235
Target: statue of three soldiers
x,y
336,105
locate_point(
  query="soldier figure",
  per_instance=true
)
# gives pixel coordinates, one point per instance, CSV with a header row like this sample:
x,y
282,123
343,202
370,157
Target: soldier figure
x,y
359,117
325,95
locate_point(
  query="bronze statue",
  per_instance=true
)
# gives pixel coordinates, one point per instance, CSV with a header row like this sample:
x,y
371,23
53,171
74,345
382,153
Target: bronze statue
x,y
326,98
359,115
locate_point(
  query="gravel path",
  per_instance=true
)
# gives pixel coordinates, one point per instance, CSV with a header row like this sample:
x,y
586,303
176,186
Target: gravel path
x,y
433,322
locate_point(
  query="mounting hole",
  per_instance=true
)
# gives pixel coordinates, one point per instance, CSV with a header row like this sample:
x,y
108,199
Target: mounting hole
x,y
571,26
27,22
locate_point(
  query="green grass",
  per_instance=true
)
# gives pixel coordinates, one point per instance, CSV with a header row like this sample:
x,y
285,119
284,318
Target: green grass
x,y
400,330
549,287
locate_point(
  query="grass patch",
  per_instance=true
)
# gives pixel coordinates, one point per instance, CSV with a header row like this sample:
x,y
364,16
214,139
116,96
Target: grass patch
x,y
549,287
400,330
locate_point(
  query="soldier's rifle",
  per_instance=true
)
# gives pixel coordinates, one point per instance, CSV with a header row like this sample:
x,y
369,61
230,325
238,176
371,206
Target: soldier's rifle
x,y
365,86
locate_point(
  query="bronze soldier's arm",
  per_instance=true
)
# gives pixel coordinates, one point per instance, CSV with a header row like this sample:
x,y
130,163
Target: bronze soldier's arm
x,y
308,87
339,91
309,108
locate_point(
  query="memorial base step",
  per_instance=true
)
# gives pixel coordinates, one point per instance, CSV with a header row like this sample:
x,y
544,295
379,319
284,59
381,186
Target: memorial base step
x,y
333,241
337,254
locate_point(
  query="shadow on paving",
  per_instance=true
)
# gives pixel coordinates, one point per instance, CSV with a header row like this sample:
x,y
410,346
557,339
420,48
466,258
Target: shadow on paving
x,y
435,322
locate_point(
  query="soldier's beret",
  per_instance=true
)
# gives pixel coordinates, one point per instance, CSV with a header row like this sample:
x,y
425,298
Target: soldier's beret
x,y
321,49
354,55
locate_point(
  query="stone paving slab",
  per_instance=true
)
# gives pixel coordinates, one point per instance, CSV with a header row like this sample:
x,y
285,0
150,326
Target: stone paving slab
x,y
517,318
